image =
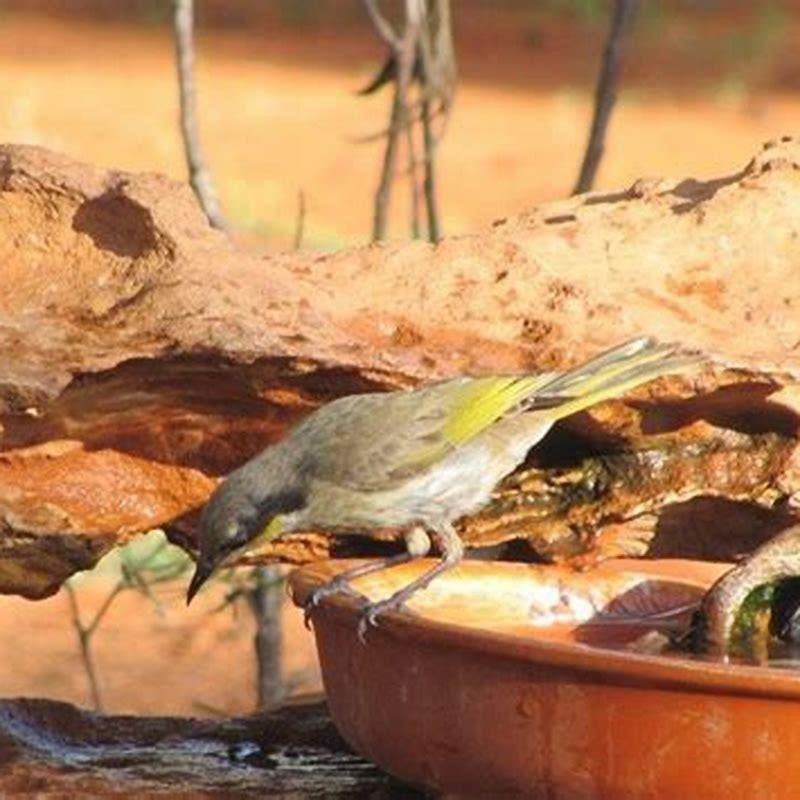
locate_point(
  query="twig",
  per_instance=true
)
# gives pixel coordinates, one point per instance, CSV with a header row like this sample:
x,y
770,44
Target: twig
x,y
445,77
605,92
383,193
266,602
134,574
411,158
300,223
199,176
262,589
418,56
85,633
386,74
431,200
438,82
381,25
405,55
413,115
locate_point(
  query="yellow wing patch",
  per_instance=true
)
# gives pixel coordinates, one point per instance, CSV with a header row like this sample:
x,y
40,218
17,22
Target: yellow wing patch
x,y
484,401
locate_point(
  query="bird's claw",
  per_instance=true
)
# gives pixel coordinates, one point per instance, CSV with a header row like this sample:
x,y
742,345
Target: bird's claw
x,y
318,595
371,612
308,607
367,620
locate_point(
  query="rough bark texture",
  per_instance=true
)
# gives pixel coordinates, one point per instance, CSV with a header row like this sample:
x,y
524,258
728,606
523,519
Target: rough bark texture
x,y
53,750
142,355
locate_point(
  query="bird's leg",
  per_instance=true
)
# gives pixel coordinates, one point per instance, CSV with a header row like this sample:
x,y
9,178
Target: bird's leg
x,y
341,583
417,546
452,550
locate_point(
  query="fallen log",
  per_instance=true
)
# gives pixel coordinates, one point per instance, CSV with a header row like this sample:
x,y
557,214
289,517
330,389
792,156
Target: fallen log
x,y
52,749
143,355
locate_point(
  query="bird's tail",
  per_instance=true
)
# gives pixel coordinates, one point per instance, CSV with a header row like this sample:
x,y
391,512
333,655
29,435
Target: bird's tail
x,y
610,375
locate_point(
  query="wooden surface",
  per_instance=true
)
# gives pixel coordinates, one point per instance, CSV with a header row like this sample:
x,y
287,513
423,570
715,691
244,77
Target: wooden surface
x,y
50,749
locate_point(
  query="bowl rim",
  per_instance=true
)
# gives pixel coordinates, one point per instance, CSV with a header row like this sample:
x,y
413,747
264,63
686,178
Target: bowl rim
x,y
615,666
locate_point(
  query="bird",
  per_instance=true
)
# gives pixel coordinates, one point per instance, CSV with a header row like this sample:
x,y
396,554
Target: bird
x,y
414,461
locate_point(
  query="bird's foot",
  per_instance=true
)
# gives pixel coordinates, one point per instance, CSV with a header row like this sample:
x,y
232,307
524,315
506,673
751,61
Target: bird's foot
x,y
337,585
371,611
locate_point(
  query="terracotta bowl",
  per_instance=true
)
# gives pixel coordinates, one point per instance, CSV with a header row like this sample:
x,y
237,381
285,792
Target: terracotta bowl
x,y
506,680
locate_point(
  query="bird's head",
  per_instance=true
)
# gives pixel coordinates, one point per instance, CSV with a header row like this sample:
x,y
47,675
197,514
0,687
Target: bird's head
x,y
246,510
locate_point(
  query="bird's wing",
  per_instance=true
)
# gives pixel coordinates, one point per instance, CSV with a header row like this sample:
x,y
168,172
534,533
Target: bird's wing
x,y
377,441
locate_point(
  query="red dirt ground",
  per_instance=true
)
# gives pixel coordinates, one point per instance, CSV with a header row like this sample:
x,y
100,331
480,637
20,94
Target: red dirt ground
x,y
191,662
277,117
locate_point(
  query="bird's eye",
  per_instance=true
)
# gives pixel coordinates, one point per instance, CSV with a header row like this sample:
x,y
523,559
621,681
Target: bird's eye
x,y
236,536
232,531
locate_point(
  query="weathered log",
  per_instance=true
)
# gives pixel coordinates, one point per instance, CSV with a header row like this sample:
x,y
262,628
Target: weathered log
x,y
51,749
143,354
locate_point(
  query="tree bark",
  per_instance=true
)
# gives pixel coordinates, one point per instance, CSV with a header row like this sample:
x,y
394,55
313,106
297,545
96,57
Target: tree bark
x,y
64,751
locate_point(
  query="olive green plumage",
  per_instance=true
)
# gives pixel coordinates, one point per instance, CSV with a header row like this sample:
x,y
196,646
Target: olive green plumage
x,y
409,460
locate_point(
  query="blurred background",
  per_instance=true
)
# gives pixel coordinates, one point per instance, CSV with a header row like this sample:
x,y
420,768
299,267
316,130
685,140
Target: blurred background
x,y
286,135
705,81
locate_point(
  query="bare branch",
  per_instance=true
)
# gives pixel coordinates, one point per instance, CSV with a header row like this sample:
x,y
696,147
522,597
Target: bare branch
x,y
384,191
84,640
438,80
386,74
266,601
431,200
101,612
434,68
405,56
381,25
135,574
405,63
445,64
199,176
606,92
411,120
411,161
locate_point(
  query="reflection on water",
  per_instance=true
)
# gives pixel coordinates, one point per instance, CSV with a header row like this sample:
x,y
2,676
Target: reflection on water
x,y
779,655
671,638
661,617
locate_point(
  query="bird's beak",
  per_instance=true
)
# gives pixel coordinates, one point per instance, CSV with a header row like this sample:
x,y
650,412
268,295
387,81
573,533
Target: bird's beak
x,y
202,573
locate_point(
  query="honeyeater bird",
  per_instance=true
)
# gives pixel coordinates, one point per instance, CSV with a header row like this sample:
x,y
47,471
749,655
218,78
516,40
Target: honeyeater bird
x,y
414,461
